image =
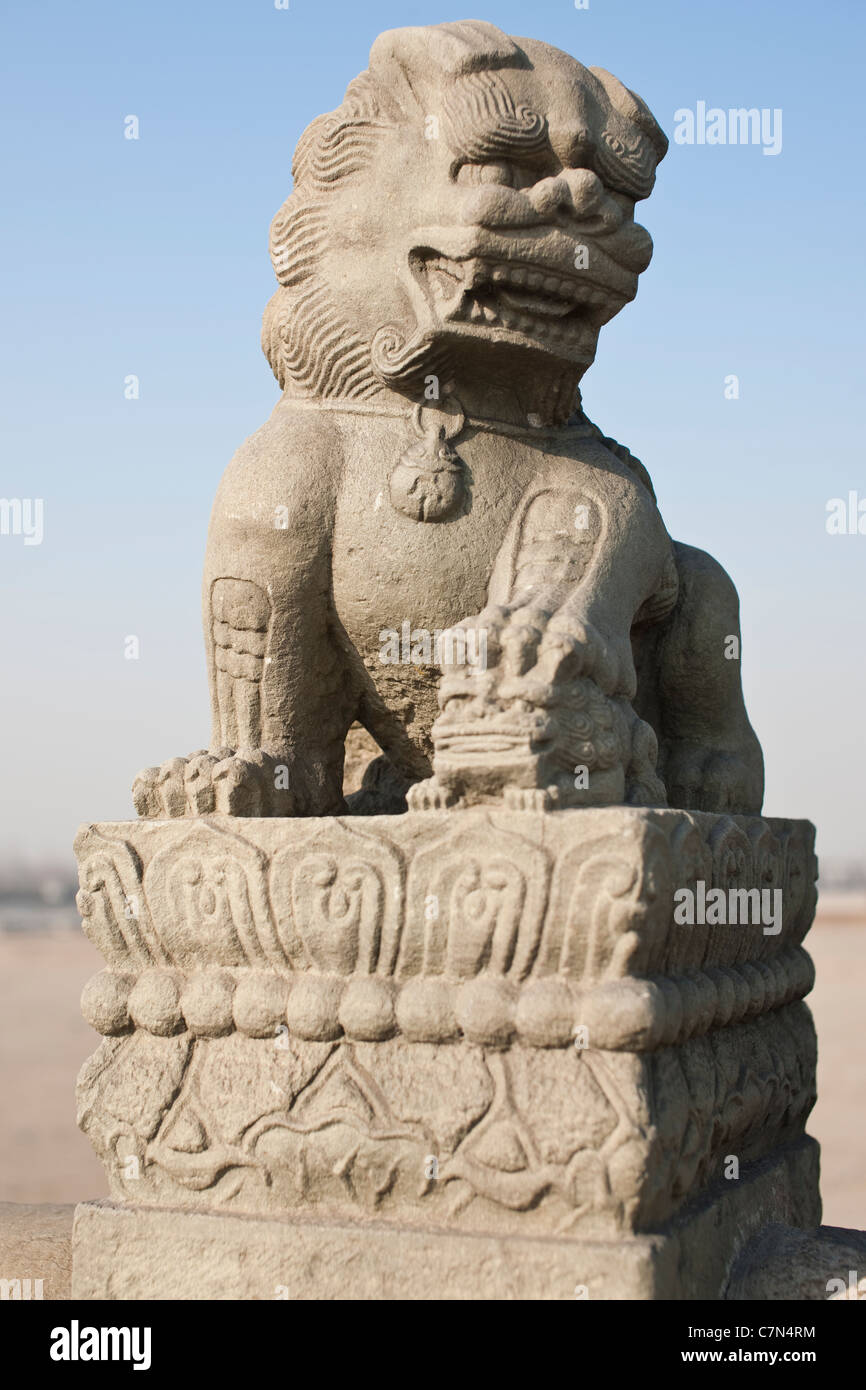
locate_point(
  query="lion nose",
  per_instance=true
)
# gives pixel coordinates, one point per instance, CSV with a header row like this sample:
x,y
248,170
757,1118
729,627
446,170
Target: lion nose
x,y
573,190
549,195
578,193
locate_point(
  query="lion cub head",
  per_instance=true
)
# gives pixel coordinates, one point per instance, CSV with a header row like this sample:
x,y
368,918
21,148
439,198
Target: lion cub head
x,y
468,208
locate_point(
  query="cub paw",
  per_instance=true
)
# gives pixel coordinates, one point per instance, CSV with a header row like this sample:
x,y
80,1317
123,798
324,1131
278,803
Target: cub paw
x,y
532,798
430,795
553,646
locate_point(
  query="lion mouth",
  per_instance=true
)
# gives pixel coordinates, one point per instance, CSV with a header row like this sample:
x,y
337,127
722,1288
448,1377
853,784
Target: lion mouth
x,y
518,297
482,743
497,732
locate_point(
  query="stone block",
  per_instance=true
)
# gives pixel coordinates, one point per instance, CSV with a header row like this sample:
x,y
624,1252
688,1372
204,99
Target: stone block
x,y
481,1020
126,1252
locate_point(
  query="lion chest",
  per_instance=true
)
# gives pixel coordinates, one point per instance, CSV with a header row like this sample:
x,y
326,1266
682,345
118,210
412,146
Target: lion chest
x,y
390,568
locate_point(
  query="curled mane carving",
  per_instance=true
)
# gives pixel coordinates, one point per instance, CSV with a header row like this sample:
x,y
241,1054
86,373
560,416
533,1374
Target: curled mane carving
x,y
304,335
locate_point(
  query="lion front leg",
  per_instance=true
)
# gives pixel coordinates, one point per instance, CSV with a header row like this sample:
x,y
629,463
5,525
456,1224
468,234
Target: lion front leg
x,y
690,688
282,691
278,737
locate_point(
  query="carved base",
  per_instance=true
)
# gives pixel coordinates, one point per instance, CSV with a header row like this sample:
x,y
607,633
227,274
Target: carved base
x,y
123,1252
484,1022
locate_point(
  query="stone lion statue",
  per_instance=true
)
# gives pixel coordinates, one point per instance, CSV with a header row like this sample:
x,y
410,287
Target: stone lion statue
x,y
459,231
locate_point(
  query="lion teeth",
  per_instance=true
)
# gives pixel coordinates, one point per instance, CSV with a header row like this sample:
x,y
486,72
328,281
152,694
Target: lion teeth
x,y
545,308
537,303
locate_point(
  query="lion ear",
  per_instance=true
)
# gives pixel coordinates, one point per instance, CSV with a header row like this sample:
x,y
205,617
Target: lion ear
x,y
439,50
634,109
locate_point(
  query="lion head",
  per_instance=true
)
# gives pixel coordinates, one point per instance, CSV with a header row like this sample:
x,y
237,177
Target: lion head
x,y
470,201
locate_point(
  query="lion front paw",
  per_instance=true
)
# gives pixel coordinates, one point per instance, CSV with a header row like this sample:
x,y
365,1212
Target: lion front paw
x,y
226,782
698,778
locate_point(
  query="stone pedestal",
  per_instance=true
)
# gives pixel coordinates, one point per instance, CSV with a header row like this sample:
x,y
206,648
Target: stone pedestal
x,y
445,1054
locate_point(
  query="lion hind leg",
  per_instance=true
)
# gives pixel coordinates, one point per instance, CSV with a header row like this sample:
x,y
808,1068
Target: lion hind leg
x,y
709,756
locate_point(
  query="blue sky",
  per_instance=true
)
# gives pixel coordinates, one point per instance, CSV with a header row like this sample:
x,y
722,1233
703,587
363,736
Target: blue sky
x,y
150,257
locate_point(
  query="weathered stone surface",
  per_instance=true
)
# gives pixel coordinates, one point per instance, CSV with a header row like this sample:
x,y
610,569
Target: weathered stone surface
x,y
782,1264
35,1250
124,1252
478,1019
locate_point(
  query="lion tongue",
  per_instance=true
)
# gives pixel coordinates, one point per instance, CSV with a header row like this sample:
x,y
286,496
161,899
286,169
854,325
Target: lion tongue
x,y
446,286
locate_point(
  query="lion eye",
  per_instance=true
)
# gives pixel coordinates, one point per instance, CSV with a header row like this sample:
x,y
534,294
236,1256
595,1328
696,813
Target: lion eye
x,y
496,171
